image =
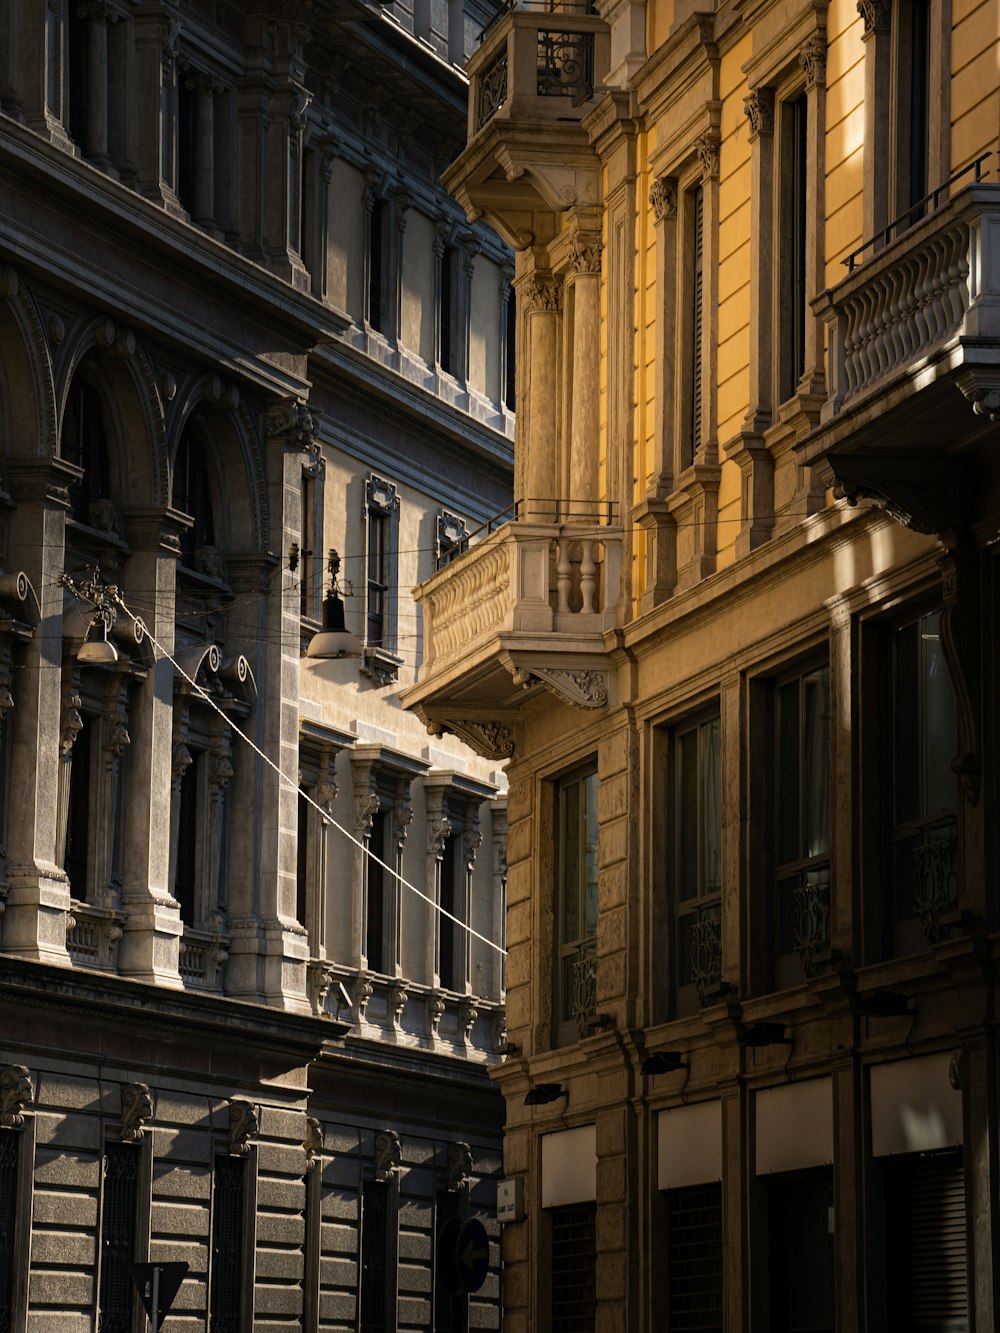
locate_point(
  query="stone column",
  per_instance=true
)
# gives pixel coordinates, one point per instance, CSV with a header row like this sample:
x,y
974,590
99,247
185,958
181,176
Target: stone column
x,y
115,741
469,249
150,944
402,816
157,42
498,828
749,450
539,296
366,807
98,16
204,152
283,124
472,840
402,201
506,314
34,921
583,281
812,58
31,83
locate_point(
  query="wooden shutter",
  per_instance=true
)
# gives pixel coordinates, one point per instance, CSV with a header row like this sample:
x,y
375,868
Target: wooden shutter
x,y
927,1244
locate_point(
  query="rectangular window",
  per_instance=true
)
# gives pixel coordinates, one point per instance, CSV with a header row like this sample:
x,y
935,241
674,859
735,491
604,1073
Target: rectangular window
x,y
118,1236
576,872
914,57
375,941
801,904
510,356
78,62
187,119
310,569
927,1268
452,952
792,256
302,860
694,1259
574,1262
377,239
228,1244
446,310
697,865
800,1225
78,815
378,578
924,788
10,1190
186,865
376,1289
695,248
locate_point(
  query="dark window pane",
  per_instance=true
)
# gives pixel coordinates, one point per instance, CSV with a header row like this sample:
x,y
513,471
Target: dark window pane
x,y
940,722
118,1237
788,772
816,761
687,816
302,860
590,855
574,1261
906,725
375,1221
227,1245
694,1259
711,807
801,1245
187,844
78,818
10,1158
376,900
927,1268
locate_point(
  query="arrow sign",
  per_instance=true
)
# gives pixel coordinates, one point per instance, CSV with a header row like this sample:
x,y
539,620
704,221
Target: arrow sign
x,y
160,1282
472,1252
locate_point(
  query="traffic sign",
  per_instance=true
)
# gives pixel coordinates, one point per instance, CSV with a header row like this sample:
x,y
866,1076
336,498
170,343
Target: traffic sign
x,y
472,1254
157,1285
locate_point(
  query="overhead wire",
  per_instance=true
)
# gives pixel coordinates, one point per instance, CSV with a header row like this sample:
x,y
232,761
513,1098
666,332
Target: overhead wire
x,y
328,819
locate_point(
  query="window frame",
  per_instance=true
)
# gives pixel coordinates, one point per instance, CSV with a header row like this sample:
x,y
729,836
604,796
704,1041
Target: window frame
x,y
381,516
686,997
566,1026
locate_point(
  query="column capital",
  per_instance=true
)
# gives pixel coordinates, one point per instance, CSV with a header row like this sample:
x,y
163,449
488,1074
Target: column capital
x,y
759,110
812,58
663,199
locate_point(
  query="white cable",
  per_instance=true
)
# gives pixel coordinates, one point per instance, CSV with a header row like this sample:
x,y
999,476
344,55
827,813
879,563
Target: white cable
x,y
326,817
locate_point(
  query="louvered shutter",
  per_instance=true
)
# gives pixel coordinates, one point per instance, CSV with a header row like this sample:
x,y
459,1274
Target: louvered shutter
x,y
929,1274
698,241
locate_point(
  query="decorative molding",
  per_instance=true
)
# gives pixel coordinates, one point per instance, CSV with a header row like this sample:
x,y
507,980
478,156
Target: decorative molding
x,y
812,58
244,1123
320,978
388,1154
926,492
491,740
759,111
438,832
398,997
585,257
435,1012
467,1016
663,199
71,724
459,1167
16,1093
584,687
292,422
137,1107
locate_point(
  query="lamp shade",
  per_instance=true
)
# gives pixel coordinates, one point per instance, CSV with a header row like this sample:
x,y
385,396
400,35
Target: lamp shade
x,y
98,652
334,639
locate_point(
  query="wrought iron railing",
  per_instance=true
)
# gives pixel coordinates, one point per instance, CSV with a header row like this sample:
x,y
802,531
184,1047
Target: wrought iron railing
x,y
492,90
935,889
811,919
565,64
583,987
706,952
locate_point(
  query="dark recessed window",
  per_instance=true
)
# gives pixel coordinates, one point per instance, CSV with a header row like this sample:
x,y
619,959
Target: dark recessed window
x,y
118,1236
574,1264
697,812
576,883
228,1244
84,442
694,1259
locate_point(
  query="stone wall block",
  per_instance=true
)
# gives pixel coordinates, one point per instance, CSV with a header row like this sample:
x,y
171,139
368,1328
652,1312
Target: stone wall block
x,y
519,841
170,1217
71,1170
613,755
338,1272
76,1094
64,1209
519,921
612,797
611,1176
339,1239
340,1203
613,842
183,1145
179,1180
613,885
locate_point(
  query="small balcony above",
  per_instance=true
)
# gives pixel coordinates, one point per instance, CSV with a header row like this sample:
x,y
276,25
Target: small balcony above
x,y
534,78
527,608
913,345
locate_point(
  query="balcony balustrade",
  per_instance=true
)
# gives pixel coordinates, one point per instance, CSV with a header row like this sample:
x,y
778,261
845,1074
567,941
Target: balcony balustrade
x,y
910,331
537,63
528,605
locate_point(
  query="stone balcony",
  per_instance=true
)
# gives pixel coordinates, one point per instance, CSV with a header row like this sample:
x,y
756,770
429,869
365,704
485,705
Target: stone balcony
x,y
534,78
913,348
527,608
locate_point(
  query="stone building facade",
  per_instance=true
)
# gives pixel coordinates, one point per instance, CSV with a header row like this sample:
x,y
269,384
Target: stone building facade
x,y
241,327
745,661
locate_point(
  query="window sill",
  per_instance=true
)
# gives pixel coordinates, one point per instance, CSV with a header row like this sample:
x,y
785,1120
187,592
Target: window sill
x,y
381,665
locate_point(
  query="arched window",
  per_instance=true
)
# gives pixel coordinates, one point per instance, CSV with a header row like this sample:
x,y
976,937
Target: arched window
x,y
192,493
84,442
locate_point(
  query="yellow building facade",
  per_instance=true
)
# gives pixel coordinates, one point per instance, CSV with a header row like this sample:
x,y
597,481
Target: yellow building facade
x,y
738,646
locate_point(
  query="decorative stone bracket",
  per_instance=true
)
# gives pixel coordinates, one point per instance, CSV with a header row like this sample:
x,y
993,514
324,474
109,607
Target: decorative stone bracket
x,y
137,1107
244,1123
16,1093
388,1154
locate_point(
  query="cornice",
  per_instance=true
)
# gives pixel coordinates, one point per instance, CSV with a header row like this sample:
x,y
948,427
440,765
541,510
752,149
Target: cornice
x,y
108,1002
687,55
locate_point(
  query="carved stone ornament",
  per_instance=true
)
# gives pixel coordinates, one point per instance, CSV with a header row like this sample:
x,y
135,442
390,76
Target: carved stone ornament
x,y
459,1167
543,294
171,38
926,492
181,760
438,833
366,807
397,1002
492,740
291,420
363,992
467,1018
103,515
313,1142
583,687
388,1154
16,1093
499,1027
585,257
244,1123
663,199
812,58
435,1012
72,724
759,111
118,739
707,148
137,1107
402,818
321,978
876,15
471,843
326,794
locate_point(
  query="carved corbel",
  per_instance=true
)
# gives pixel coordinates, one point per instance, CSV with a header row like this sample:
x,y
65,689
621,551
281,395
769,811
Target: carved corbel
x,y
812,58
244,1123
459,1167
583,687
876,16
388,1154
467,1019
707,146
16,1093
312,1143
492,740
137,1107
